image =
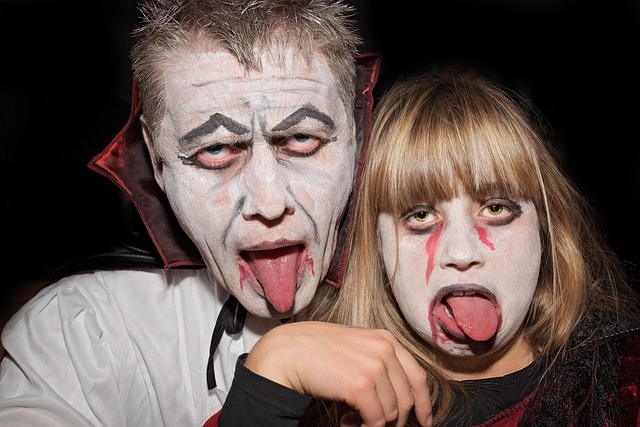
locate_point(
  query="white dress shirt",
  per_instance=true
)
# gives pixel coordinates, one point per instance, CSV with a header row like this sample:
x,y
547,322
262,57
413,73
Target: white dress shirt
x,y
120,348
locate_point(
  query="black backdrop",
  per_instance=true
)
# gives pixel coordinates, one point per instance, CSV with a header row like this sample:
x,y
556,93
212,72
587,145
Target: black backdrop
x,y
64,89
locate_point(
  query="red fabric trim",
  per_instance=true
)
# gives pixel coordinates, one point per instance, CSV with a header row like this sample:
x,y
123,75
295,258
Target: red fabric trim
x,y
213,421
510,417
126,162
368,66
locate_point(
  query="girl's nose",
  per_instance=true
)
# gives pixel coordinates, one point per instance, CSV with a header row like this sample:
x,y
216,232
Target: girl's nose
x,y
460,244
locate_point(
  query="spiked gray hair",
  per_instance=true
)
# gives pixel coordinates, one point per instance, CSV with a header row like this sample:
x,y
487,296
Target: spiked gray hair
x,y
246,28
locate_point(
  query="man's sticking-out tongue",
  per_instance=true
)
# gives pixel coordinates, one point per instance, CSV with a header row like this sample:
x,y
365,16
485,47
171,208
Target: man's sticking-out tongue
x,y
473,315
277,272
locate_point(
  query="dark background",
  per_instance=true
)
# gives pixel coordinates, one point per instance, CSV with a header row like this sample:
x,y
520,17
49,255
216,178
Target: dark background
x,y
64,93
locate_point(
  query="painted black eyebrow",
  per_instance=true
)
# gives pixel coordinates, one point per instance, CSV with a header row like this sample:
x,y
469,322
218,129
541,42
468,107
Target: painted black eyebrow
x,y
308,111
216,121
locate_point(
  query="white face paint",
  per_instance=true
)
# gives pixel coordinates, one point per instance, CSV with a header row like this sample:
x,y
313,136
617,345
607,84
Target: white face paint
x,y
466,271
258,168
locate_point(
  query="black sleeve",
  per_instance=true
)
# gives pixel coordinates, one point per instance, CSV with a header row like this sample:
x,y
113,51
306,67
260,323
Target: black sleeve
x,y
254,400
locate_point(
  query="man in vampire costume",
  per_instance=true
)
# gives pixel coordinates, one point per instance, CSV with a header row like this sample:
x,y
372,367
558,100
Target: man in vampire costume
x,y
242,155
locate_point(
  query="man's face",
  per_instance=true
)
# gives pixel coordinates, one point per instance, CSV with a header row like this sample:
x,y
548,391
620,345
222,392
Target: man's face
x,y
258,167
466,270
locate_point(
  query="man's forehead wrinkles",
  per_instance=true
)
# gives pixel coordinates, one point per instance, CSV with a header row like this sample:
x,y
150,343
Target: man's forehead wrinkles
x,y
247,79
308,111
214,122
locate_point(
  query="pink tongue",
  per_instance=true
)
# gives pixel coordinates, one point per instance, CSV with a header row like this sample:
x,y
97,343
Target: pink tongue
x,y
473,315
277,272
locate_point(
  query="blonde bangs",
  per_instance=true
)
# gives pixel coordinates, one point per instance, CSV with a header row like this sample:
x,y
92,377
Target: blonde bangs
x,y
445,146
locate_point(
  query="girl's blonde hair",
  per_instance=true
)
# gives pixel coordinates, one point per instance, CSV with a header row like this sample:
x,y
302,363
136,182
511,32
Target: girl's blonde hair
x,y
439,135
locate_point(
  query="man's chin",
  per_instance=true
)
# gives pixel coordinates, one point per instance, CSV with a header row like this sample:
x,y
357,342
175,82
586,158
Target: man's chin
x,y
260,306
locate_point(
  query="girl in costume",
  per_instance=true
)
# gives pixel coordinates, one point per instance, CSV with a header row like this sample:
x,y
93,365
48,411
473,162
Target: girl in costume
x,y
476,251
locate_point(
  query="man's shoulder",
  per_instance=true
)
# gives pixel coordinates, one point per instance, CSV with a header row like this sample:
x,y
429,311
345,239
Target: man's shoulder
x,y
131,286
133,252
121,293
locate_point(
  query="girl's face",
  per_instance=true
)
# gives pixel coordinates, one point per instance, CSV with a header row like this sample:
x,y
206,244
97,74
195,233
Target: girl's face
x,y
464,271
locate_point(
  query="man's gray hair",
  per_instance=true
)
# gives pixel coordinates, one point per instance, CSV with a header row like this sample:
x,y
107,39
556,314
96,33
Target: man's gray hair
x,y
245,28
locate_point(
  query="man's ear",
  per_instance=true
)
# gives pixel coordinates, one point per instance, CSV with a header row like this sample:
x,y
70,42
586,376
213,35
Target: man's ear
x,y
155,160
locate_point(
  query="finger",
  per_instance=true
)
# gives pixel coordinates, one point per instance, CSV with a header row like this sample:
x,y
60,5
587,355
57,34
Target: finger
x,y
372,393
385,396
417,378
351,419
401,366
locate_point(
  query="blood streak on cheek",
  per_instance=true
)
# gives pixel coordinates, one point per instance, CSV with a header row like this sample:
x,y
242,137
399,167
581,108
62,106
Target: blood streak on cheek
x,y
430,247
309,262
243,275
482,234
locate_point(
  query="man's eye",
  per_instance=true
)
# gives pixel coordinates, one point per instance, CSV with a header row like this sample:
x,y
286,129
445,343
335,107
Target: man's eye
x,y
299,145
217,156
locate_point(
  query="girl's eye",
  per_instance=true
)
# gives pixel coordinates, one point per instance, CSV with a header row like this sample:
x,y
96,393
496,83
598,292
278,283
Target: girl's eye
x,y
501,212
421,216
495,209
421,220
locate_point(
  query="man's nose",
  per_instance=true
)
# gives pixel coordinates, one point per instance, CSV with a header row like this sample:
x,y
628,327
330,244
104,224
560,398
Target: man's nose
x,y
266,185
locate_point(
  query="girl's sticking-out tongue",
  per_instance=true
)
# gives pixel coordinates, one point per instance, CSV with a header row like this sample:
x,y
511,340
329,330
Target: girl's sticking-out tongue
x,y
471,315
